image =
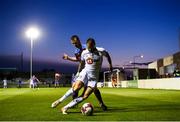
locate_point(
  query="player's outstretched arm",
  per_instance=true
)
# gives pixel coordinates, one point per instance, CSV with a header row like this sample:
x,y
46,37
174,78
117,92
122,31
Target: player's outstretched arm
x,y
66,57
109,60
38,80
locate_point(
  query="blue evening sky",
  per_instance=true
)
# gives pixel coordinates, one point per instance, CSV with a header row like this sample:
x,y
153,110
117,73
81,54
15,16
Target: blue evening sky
x,y
123,27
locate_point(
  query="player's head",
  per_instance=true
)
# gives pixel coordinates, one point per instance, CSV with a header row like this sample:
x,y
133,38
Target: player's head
x,y
57,75
91,44
75,41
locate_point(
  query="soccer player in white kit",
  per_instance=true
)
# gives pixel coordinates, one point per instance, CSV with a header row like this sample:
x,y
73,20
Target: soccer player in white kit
x,y
31,84
57,78
34,82
79,47
92,57
5,83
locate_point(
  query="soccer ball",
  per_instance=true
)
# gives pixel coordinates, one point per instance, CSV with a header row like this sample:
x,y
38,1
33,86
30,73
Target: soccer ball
x,y
87,109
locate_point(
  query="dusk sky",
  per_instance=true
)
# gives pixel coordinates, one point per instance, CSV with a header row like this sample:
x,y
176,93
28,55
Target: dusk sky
x,y
123,27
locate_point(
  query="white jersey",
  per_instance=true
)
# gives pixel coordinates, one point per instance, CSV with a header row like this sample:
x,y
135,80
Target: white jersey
x,y
31,81
5,82
93,61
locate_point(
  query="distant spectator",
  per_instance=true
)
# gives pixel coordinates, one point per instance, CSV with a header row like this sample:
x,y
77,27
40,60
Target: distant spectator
x,y
34,82
19,83
31,85
114,80
57,78
5,83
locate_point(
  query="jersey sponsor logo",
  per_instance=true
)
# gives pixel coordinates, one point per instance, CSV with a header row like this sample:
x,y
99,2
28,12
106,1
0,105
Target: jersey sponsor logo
x,y
89,60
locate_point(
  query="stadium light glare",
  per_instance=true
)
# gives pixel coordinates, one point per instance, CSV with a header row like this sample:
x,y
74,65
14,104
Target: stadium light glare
x,y
32,33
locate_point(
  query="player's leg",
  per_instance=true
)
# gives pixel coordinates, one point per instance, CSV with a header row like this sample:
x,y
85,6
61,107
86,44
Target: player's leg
x,y
98,96
30,85
54,84
75,94
38,86
85,87
76,87
90,88
82,77
78,100
97,93
84,90
88,92
33,85
65,96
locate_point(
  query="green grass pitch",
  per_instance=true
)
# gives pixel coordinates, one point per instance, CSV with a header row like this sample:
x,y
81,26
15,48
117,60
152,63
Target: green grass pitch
x,y
123,104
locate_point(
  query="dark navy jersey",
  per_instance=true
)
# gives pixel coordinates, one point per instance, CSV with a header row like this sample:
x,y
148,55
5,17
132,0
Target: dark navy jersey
x,y
78,51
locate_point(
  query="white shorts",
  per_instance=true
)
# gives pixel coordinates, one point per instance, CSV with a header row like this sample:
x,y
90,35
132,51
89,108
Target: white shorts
x,y
89,78
56,82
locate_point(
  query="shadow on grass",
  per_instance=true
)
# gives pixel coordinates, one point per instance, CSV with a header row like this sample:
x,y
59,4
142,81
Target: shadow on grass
x,y
166,107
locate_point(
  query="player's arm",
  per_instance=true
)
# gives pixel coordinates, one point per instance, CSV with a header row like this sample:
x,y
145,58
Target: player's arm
x,y
38,80
81,66
74,59
106,54
82,63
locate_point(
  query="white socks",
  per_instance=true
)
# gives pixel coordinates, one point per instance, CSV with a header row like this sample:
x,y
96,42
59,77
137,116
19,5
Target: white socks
x,y
74,102
66,95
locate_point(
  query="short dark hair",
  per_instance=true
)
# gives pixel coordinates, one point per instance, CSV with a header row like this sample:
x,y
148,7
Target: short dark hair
x,y
91,40
74,37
